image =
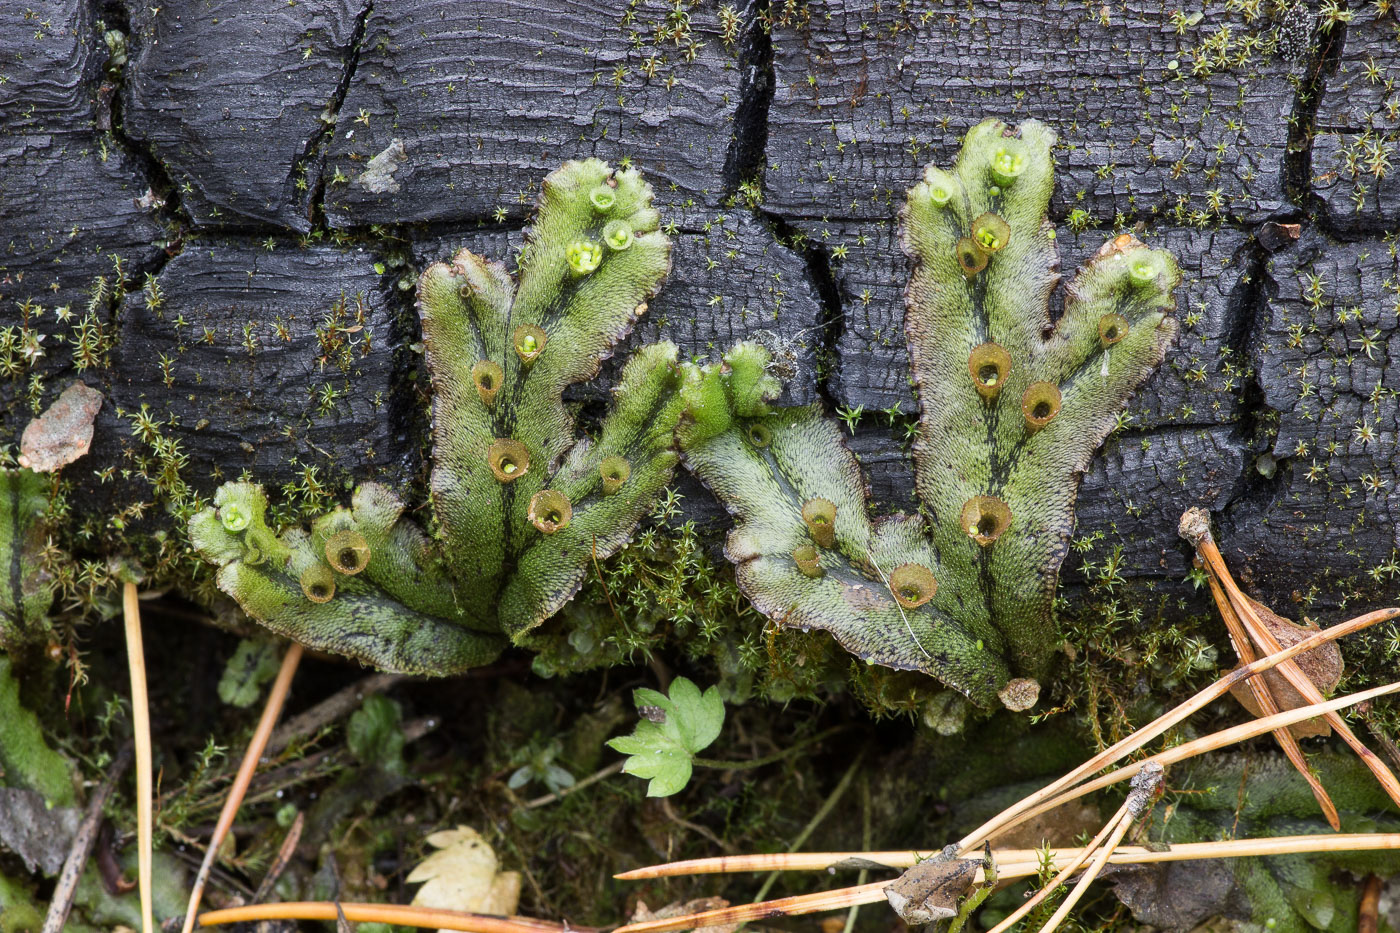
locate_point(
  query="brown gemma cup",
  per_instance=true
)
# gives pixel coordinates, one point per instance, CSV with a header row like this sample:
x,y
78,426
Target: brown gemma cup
x,y
508,458
529,342
808,560
318,583
972,259
550,510
990,366
912,585
984,518
820,516
614,471
347,551
1040,404
487,377
1112,328
758,434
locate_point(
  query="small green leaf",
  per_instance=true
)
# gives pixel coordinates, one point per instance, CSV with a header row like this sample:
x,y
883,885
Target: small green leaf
x,y
374,736
253,664
671,732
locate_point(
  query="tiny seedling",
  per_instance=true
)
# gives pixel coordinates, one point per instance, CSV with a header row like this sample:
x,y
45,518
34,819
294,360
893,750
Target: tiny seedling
x,y
672,730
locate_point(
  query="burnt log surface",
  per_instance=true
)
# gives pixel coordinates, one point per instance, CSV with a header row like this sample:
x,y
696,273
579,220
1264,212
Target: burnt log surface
x,y
190,217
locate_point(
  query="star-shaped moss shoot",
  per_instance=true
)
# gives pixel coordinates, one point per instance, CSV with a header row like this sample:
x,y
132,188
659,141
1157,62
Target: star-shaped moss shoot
x,y
1012,409
26,587
522,505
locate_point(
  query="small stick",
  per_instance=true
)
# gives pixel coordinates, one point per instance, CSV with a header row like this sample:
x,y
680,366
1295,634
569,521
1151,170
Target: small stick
x,y
1064,873
1164,722
1128,855
1224,737
62,901
141,734
1205,546
776,861
1267,705
795,906
600,775
387,913
284,857
1146,788
1020,862
339,704
275,698
1043,802
1368,919
1120,824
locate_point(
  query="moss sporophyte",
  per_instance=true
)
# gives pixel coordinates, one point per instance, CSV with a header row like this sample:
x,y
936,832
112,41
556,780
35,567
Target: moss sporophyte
x,y
1011,411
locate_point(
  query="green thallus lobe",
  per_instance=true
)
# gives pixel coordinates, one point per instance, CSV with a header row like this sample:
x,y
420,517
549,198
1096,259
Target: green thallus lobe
x,y
1011,411
521,505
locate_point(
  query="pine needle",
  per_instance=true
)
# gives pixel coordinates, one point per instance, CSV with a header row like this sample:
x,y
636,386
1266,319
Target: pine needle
x,y
276,697
141,730
400,915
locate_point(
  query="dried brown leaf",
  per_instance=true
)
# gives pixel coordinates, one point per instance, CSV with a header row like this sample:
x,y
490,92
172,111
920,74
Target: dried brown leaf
x,y
1322,665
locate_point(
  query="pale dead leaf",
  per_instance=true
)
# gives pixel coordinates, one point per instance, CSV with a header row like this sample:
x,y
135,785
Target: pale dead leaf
x,y
63,432
678,909
464,874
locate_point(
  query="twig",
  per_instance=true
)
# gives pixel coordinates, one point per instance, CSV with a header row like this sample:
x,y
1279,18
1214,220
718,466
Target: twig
x,y
1215,740
336,706
1063,874
275,698
1035,804
1017,863
1010,870
62,901
1259,688
601,774
1147,787
782,907
777,861
388,913
747,763
670,810
284,856
1147,733
141,734
1205,546
1368,919
1120,826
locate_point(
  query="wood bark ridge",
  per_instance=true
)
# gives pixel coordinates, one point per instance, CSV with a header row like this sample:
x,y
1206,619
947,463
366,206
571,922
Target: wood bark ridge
x,y
272,176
